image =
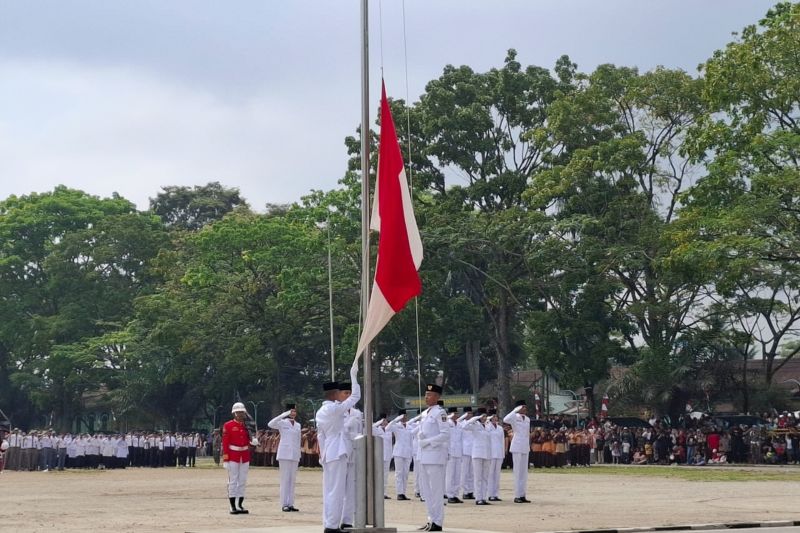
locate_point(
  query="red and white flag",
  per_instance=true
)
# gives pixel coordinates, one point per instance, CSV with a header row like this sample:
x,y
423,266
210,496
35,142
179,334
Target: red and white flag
x,y
399,245
604,407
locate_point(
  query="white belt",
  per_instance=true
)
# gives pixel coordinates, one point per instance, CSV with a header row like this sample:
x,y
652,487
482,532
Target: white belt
x,y
239,448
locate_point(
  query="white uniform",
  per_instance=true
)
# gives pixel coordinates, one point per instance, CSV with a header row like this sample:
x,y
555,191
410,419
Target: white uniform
x,y
434,442
467,477
402,452
481,455
498,438
453,477
378,430
333,454
520,449
288,455
353,427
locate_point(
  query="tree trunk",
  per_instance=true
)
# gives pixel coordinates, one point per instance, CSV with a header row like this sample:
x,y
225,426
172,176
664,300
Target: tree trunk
x,y
473,351
502,349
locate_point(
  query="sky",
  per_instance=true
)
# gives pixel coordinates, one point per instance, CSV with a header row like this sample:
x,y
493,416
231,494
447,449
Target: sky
x,y
116,96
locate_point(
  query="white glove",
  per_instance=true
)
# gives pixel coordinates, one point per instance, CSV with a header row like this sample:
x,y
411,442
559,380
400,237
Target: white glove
x,y
286,413
398,418
254,441
225,465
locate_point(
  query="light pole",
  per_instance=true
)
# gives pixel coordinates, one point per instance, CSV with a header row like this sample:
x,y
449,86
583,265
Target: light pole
x,y
214,422
577,408
255,410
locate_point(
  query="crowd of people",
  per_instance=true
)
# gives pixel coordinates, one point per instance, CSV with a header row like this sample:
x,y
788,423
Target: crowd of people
x,y
47,450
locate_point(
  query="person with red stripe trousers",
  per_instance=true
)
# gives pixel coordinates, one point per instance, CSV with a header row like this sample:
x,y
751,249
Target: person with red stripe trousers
x,y
288,455
236,442
520,447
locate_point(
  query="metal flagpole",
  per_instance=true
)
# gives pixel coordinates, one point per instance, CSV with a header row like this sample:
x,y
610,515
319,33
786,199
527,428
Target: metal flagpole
x,y
365,270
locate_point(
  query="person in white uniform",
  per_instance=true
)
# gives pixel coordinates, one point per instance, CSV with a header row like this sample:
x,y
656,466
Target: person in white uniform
x,y
498,453
353,427
467,478
453,476
481,454
520,448
288,455
402,452
333,450
379,430
434,442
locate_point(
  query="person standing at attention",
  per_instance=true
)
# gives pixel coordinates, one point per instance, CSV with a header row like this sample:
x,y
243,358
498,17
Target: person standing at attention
x,y
288,455
434,443
236,444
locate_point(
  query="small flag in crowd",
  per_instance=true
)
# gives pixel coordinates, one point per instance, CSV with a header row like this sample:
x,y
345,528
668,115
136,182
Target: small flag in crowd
x,y
604,407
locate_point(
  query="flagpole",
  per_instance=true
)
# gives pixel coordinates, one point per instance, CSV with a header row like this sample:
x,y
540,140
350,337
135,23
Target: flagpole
x,y
365,270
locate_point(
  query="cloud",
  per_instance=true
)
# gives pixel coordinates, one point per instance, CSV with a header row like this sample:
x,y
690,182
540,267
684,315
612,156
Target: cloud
x,y
106,129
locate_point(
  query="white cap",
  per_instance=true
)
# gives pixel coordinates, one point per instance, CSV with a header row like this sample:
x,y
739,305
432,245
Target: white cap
x,y
238,406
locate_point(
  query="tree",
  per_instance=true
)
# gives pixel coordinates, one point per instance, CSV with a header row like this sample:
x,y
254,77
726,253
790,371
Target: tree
x,y
70,266
192,208
741,220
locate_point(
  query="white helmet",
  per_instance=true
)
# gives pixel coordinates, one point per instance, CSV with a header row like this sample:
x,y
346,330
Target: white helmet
x,y
238,406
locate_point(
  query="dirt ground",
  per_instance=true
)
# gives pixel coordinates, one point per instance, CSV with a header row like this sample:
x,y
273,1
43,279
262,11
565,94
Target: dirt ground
x,y
172,500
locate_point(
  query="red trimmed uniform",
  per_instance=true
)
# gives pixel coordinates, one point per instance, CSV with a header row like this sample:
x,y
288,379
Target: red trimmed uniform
x,y
235,442
236,458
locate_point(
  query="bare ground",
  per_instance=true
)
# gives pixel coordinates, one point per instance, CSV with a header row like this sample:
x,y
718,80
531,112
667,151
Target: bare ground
x,y
172,500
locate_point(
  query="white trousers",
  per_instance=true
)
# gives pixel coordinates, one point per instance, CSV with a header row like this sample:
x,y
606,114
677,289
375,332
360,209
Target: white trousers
x,y
467,478
401,466
494,477
453,477
349,506
386,466
480,468
420,479
237,478
520,461
334,477
288,478
432,483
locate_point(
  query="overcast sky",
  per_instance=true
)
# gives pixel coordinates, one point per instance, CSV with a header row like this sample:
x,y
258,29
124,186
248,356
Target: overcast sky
x,y
130,96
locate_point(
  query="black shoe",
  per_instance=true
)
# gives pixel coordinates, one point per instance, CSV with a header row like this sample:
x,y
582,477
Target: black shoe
x,y
243,511
234,511
293,509
332,530
454,500
416,495
385,497
435,527
426,527
524,500
494,499
468,496
346,526
402,497
287,509
482,502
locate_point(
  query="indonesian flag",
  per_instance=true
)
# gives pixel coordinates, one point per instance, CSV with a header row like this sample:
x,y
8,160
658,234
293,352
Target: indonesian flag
x,y
537,405
399,246
604,407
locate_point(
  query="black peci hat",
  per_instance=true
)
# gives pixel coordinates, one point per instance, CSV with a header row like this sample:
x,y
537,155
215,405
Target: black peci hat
x,y
433,387
345,385
452,409
401,412
331,385
291,406
481,411
520,402
468,409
